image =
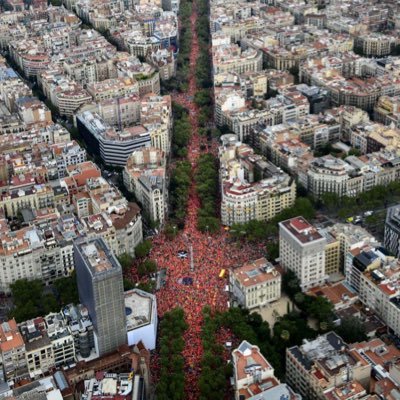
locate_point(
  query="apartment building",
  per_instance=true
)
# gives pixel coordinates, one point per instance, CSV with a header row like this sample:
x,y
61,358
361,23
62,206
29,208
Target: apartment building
x,y
31,56
361,259
39,349
66,154
147,77
156,116
76,318
12,348
255,284
283,147
242,202
373,137
374,44
113,88
302,250
332,252
104,212
35,197
378,290
68,96
280,58
253,376
346,81
119,112
387,110
140,45
33,112
243,198
350,237
160,136
122,232
144,175
112,146
61,339
230,58
331,174
352,175
319,365
35,252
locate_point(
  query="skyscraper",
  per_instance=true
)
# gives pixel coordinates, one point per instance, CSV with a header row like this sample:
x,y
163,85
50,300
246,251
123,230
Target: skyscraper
x,y
100,287
392,230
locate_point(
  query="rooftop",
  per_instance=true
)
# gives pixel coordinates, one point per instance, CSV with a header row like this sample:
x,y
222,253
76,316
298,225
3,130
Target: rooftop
x,y
139,307
10,337
248,359
256,272
302,230
97,256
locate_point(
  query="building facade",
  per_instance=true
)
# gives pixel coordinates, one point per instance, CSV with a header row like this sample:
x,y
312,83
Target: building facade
x,y
255,284
101,290
392,230
302,250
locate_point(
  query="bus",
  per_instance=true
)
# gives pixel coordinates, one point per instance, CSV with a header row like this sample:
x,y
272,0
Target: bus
x,y
222,274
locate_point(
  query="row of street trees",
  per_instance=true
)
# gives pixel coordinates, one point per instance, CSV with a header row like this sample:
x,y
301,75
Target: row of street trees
x,y
179,192
181,131
203,97
203,65
171,383
214,373
260,230
180,82
376,198
207,172
207,188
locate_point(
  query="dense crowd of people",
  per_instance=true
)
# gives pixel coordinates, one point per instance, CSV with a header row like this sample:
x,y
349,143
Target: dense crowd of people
x,y
210,253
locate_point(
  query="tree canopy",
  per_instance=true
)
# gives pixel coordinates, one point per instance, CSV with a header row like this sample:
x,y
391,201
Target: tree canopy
x,y
143,249
206,179
171,382
32,299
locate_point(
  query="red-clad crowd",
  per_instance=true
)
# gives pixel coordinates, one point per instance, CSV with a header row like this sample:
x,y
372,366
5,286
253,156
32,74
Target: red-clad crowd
x,y
211,254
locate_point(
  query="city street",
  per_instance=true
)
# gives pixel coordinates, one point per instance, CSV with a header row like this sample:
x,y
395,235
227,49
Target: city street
x,y
211,253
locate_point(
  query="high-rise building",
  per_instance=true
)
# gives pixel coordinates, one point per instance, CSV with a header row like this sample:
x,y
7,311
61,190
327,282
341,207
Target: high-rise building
x,y
302,250
101,290
392,230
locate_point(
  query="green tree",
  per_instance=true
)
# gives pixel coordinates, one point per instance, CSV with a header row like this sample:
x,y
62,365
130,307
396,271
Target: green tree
x,y
202,98
126,261
67,289
351,330
128,284
285,335
330,200
320,308
273,250
143,249
299,298
151,266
